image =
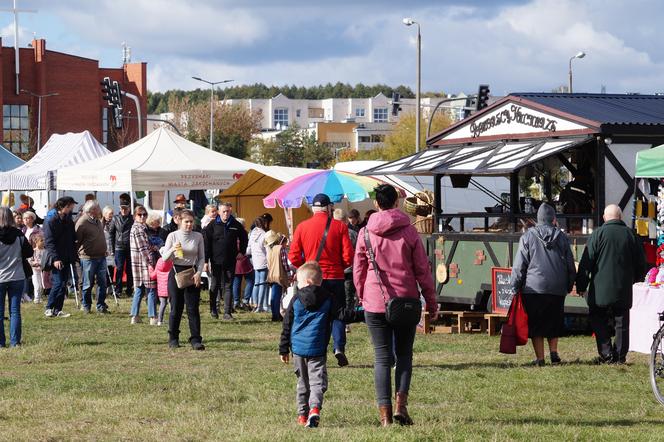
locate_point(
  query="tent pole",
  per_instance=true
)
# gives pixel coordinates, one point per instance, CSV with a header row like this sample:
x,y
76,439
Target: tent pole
x,y
634,204
131,197
163,211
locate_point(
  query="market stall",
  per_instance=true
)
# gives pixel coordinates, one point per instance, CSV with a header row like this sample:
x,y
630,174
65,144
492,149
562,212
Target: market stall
x,y
574,151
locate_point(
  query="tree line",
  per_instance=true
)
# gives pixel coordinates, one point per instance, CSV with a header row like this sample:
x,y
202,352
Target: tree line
x,y
158,102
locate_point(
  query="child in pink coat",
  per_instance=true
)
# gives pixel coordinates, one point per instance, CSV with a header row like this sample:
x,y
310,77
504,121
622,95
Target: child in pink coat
x,y
160,274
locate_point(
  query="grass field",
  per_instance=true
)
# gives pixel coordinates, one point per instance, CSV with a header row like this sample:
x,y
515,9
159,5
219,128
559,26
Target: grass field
x,y
91,377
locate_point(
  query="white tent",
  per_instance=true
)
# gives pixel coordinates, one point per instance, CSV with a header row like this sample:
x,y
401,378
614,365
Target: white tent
x,y
60,151
162,160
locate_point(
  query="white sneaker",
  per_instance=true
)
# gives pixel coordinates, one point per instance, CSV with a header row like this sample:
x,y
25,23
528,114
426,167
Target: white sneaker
x,y
37,301
48,313
62,314
153,321
136,320
159,323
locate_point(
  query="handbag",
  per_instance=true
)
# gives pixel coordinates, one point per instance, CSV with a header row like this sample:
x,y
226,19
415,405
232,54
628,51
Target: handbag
x,y
184,278
243,265
515,330
399,312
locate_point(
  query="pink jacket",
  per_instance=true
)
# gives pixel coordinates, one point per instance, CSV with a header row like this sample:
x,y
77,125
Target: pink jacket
x,y
401,259
160,273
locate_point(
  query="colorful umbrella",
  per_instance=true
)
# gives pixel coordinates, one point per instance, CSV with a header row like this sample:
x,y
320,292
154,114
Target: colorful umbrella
x,y
333,183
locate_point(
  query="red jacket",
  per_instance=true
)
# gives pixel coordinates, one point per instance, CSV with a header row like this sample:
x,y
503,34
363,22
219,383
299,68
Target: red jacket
x,y
337,253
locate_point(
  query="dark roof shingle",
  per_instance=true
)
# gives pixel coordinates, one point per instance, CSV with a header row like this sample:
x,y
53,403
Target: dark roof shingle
x,y
604,108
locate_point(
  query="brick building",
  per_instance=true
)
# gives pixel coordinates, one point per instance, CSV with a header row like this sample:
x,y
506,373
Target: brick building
x,y
78,104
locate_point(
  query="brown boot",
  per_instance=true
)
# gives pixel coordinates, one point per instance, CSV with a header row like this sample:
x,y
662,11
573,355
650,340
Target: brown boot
x,y
385,415
401,415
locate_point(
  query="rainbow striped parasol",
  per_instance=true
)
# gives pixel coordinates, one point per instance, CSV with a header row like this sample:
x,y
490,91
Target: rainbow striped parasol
x,y
333,183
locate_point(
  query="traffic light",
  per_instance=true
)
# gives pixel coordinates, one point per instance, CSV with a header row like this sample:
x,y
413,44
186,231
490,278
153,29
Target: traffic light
x,y
116,95
106,90
471,103
396,103
482,97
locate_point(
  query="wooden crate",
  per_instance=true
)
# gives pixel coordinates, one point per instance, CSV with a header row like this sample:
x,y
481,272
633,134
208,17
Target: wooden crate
x,y
494,322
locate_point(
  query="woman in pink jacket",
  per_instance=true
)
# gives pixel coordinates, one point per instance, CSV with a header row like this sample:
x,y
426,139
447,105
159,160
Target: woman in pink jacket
x,y
403,265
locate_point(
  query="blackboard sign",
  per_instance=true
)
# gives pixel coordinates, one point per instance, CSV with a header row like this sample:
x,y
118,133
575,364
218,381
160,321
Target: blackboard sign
x,y
501,290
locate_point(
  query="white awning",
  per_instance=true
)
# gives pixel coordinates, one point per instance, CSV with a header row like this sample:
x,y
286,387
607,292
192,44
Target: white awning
x,y
492,158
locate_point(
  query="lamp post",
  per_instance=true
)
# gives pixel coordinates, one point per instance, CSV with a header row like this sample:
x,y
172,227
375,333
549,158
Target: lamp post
x,y
212,85
409,22
39,100
581,54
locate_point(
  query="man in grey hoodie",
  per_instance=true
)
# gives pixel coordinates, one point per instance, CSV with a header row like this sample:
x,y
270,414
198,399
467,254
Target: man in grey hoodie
x,y
544,273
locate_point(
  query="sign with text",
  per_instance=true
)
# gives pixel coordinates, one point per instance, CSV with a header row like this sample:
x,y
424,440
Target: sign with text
x,y
501,290
514,118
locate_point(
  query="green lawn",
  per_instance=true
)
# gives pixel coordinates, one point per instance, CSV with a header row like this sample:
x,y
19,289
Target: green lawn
x,y
99,378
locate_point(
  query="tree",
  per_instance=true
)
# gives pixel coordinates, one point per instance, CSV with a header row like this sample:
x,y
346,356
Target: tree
x,y
315,152
400,142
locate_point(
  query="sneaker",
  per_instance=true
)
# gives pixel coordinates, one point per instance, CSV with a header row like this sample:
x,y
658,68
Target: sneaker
x,y
37,301
62,314
26,298
86,310
302,420
314,418
153,321
342,360
347,328
159,323
601,360
173,343
214,315
48,313
555,359
197,346
103,311
228,317
136,320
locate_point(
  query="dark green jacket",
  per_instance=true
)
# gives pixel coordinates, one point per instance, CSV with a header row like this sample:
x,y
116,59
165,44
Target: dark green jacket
x,y
612,261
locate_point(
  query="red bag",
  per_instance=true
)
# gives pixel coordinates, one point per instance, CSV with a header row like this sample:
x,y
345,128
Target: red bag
x,y
515,331
243,265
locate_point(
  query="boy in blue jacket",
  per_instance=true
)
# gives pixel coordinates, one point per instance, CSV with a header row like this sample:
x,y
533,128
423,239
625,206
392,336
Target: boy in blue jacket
x,y
306,331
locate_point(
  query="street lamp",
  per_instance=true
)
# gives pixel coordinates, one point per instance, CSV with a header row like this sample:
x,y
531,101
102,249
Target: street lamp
x,y
39,100
581,54
409,22
212,85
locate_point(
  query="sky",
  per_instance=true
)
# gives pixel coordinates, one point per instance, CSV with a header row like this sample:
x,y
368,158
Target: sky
x,y
512,45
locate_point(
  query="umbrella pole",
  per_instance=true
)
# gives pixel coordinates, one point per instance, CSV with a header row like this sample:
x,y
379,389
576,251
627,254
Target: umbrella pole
x,y
634,204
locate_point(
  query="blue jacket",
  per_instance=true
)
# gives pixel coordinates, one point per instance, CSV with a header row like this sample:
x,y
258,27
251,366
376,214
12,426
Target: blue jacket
x,y
308,322
60,238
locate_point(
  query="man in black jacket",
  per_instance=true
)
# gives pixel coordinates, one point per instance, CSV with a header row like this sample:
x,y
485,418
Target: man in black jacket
x,y
60,243
225,241
119,233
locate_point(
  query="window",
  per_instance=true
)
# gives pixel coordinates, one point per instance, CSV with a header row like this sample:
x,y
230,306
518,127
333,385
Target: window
x,y
359,112
365,139
380,115
104,126
16,128
297,113
281,118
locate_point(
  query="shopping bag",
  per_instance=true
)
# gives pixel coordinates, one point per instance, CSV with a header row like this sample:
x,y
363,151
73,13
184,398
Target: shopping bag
x,y
508,339
520,320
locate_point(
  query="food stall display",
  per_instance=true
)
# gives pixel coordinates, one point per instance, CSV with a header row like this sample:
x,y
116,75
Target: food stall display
x,y
573,151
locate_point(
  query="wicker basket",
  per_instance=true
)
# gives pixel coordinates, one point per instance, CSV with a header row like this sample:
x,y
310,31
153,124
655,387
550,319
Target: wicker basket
x,y
424,224
419,205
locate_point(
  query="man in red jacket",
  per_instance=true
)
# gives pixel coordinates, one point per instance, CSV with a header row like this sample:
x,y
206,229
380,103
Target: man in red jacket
x,y
337,255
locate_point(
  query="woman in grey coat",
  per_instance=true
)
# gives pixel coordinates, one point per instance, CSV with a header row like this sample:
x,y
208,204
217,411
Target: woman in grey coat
x,y
544,273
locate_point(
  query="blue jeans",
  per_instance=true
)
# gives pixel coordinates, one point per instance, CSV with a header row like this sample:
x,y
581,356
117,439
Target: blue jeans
x,y
56,297
14,291
94,269
136,302
336,287
248,288
275,300
259,293
122,257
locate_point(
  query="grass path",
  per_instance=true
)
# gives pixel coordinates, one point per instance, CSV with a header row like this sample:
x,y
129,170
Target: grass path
x,y
91,377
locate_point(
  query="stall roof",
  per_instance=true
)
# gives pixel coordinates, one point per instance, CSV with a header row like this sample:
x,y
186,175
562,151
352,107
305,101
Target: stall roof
x,y
650,163
604,108
8,160
489,158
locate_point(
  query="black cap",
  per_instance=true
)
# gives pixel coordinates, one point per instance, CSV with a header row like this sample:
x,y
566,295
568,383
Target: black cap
x,y
63,202
321,200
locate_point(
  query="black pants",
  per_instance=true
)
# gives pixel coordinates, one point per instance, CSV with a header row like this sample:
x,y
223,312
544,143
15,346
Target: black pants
x,y
349,287
222,280
390,343
600,320
191,296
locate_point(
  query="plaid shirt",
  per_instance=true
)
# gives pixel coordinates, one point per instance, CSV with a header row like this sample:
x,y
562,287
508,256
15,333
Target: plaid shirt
x,y
283,256
141,259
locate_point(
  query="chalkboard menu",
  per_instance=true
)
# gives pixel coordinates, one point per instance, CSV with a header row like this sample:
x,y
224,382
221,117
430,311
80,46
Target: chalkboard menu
x,y
501,290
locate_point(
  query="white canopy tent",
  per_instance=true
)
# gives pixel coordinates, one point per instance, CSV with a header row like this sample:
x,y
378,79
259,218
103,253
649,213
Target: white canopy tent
x,y
162,160
60,151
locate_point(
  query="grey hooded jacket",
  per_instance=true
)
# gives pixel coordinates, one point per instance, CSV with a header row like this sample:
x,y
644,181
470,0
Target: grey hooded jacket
x,y
544,263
